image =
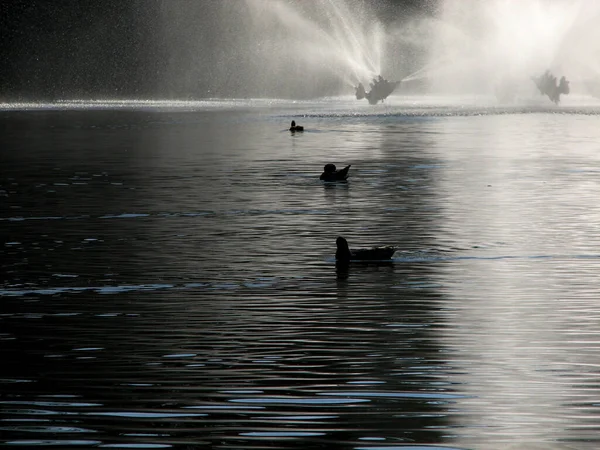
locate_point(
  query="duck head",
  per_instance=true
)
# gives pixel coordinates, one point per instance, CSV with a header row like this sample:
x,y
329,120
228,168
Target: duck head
x,y
343,251
329,168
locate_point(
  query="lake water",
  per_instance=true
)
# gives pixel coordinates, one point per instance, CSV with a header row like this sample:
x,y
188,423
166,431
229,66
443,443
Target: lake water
x,y
168,275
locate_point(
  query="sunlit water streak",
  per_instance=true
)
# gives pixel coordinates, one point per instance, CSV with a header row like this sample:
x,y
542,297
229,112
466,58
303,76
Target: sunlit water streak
x,y
168,278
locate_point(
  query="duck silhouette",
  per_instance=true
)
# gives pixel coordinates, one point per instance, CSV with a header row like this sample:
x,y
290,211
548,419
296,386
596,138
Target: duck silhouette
x,y
295,127
330,173
345,255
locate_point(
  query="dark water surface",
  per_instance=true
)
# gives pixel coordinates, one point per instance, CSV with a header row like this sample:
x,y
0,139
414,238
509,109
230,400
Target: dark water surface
x,y
168,278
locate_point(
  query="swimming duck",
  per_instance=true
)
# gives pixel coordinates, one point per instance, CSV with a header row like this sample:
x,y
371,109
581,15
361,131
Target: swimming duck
x,y
344,254
295,127
330,173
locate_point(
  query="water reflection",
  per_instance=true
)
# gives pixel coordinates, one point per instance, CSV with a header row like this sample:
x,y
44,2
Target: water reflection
x,y
519,334
174,283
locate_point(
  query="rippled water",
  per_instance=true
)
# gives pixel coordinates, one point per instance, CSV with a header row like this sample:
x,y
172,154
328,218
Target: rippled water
x,y
168,276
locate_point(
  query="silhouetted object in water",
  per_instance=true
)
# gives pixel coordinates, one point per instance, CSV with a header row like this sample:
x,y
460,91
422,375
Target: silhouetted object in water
x,y
380,90
330,173
563,86
546,84
295,127
343,253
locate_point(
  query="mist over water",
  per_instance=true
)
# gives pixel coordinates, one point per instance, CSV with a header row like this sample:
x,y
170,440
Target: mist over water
x,y
312,40
293,49
281,49
309,49
476,45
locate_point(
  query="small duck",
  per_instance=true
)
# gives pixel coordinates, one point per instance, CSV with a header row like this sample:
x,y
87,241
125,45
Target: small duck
x,y
295,127
330,173
345,255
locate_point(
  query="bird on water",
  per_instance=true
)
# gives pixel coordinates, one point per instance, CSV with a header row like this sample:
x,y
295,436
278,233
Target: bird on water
x,y
344,254
330,173
295,127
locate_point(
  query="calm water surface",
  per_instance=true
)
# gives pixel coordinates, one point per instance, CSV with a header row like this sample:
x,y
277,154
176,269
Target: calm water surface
x,y
168,276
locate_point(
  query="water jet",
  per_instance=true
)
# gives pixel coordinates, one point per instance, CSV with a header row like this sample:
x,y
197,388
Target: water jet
x,y
309,42
461,47
498,46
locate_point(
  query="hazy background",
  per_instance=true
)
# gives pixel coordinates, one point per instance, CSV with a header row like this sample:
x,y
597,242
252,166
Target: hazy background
x,y
155,49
